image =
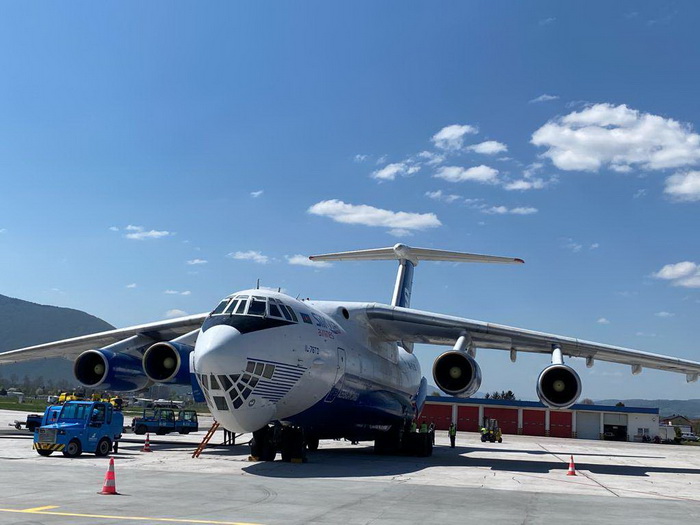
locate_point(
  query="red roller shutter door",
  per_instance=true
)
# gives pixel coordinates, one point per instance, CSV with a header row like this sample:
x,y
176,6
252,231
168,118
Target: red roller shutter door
x,y
507,418
440,414
468,418
559,424
533,422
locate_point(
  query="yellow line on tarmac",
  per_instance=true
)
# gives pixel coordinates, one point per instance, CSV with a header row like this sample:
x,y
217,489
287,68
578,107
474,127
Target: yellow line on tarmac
x,y
39,510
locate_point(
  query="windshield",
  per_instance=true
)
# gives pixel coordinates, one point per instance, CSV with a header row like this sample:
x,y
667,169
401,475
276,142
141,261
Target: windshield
x,y
73,412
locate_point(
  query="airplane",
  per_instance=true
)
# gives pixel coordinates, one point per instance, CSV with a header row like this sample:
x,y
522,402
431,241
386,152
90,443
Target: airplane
x,y
293,372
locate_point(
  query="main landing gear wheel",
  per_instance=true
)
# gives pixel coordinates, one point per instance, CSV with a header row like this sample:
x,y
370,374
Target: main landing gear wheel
x,y
388,442
293,449
262,446
312,443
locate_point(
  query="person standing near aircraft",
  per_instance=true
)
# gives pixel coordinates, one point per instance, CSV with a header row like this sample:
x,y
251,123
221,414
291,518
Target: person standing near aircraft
x,y
452,431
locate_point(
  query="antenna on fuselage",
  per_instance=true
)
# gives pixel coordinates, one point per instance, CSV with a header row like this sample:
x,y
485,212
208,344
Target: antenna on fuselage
x,y
408,259
257,285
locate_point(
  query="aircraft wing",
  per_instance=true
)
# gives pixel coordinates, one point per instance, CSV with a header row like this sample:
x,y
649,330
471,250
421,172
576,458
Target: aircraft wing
x,y
393,323
71,348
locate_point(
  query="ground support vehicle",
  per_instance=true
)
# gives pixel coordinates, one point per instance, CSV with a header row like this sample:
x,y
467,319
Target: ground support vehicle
x,y
159,421
186,422
77,427
491,432
31,423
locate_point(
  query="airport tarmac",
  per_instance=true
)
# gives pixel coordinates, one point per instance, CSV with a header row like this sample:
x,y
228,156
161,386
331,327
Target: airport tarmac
x,y
522,480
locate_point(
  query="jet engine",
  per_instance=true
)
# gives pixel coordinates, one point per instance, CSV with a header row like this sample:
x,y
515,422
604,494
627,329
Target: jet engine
x,y
110,371
168,362
457,374
558,386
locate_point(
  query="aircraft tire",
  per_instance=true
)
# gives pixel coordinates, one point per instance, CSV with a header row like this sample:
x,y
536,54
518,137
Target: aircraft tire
x,y
312,443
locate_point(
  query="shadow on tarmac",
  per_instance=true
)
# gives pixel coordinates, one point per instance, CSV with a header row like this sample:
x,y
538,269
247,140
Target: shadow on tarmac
x,y
361,462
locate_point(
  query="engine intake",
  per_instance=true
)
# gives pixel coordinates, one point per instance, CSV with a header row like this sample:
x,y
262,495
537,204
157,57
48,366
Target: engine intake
x,y
558,386
457,374
109,370
168,362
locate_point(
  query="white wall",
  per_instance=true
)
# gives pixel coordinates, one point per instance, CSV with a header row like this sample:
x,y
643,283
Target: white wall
x,y
637,421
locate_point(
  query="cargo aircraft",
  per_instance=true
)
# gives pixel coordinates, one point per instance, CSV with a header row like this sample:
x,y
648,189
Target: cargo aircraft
x,y
293,372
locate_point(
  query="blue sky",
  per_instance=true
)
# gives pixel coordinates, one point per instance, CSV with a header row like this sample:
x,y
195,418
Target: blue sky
x,y
156,157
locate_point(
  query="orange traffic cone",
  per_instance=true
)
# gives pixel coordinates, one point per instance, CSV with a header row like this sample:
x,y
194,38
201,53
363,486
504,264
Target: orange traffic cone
x,y
572,467
147,444
109,487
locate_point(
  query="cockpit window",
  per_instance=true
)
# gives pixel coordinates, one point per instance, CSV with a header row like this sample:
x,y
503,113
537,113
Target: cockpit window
x,y
240,309
257,306
232,306
274,310
221,307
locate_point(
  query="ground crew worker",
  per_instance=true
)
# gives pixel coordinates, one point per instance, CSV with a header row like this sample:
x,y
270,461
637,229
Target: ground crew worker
x,y
431,431
452,431
413,426
423,428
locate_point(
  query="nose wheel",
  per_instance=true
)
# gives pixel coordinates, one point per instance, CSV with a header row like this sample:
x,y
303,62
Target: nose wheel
x,y
289,440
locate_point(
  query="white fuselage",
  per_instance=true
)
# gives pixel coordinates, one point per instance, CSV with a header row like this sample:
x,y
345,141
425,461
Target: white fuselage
x,y
256,369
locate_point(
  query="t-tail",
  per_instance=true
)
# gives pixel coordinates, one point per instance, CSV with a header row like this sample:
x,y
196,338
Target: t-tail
x,y
408,259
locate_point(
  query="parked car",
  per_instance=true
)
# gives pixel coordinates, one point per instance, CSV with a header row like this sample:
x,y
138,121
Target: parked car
x,y
689,436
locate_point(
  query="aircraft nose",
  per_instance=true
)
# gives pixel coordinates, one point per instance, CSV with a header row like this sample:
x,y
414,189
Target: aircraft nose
x,y
221,355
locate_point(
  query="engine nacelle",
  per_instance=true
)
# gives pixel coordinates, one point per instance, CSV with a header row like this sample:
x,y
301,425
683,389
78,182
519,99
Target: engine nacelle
x,y
110,371
558,386
457,374
168,362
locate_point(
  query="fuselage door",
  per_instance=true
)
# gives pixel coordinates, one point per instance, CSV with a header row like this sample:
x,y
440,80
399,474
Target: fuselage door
x,y
339,377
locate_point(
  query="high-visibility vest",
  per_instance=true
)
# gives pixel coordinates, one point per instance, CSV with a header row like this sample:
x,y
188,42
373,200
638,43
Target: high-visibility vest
x,y
424,428
413,426
453,430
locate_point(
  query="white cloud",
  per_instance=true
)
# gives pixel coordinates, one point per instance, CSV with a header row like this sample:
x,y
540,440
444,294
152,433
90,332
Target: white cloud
x,y
172,314
594,246
451,138
617,137
483,174
547,21
603,320
430,158
175,292
390,171
132,285
525,184
366,215
381,160
250,255
503,210
139,233
194,262
639,193
256,194
685,274
544,98
113,228
572,245
490,147
359,158
684,186
303,260
186,292
440,196
664,314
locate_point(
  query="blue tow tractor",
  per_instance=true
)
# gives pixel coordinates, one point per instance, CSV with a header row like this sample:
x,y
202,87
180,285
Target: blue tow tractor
x,y
77,427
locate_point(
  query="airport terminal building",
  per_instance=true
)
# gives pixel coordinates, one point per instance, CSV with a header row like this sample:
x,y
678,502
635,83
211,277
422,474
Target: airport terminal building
x,y
532,418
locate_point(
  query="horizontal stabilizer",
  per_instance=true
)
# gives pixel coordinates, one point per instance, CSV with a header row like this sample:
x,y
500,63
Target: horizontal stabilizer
x,y
401,251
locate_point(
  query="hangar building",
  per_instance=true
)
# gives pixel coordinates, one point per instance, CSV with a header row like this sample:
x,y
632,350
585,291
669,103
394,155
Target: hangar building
x,y
532,418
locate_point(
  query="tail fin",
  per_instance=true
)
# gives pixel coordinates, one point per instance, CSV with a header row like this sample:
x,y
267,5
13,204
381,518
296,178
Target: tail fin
x,y
408,258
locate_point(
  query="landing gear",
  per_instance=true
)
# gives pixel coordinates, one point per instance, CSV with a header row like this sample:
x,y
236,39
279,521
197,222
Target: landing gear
x,y
292,444
312,443
262,445
289,440
405,442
